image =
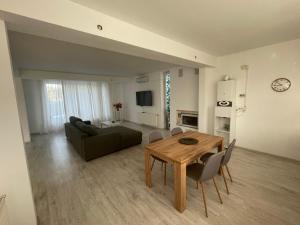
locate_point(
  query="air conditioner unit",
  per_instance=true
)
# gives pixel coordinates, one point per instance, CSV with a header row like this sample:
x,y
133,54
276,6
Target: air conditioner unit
x,y
142,79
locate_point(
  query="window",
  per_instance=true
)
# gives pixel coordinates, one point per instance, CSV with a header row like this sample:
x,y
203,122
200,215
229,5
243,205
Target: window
x,y
88,100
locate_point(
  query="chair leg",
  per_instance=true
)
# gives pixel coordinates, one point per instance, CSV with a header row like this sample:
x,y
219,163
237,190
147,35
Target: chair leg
x,y
165,173
197,182
223,174
228,172
152,164
217,191
204,200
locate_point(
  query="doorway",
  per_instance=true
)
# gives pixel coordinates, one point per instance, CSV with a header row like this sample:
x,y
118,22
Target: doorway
x,y
167,98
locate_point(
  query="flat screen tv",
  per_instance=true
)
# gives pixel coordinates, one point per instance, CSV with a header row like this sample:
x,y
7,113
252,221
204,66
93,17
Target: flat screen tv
x,y
144,98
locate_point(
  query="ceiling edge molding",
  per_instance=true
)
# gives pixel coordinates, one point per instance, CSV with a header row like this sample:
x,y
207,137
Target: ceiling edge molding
x,y
42,75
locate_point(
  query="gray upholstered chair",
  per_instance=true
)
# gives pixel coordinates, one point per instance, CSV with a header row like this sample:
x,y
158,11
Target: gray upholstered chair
x,y
224,162
201,172
176,130
153,137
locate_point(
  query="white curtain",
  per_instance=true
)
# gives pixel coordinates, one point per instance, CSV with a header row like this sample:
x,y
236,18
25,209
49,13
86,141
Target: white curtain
x,y
89,100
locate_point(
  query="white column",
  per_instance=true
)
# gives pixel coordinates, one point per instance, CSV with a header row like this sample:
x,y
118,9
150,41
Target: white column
x,y
22,108
208,78
202,104
14,179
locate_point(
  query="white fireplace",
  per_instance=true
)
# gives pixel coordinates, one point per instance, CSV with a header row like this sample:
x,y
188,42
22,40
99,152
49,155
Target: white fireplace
x,y
187,118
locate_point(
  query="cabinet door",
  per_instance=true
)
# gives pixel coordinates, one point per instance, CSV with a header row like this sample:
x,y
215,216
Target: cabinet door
x,y
226,90
223,111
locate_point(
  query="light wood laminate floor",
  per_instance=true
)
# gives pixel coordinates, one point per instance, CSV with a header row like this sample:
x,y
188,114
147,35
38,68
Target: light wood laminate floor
x,y
111,189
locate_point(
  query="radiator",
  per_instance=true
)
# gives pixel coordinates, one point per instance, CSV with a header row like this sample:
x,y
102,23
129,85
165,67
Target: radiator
x,y
150,119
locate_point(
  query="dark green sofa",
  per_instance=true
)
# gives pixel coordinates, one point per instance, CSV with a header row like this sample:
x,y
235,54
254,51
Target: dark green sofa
x,y
92,142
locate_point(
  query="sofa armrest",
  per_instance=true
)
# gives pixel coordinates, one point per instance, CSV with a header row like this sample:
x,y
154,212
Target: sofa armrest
x,y
102,144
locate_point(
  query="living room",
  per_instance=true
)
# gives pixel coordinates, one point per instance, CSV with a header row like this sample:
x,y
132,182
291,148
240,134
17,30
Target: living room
x,y
109,116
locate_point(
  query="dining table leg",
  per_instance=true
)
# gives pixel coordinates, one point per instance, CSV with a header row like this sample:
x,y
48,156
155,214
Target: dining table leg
x,y
221,148
148,168
180,186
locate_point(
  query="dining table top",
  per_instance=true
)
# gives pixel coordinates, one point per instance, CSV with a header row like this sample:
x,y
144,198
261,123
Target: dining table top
x,y
169,149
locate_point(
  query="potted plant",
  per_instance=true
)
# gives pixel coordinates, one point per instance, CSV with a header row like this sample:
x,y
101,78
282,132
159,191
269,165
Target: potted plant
x,y
117,106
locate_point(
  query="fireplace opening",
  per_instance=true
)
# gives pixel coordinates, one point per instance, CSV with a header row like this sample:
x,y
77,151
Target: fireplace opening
x,y
190,120
187,118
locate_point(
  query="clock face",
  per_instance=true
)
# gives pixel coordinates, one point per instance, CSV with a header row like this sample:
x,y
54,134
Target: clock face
x,y
281,84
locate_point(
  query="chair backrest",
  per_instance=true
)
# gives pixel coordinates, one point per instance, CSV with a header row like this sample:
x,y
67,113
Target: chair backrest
x,y
228,152
155,136
176,130
212,166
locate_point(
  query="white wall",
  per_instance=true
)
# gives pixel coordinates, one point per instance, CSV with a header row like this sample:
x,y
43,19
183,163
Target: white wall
x,y
271,123
33,99
13,166
22,108
184,92
155,85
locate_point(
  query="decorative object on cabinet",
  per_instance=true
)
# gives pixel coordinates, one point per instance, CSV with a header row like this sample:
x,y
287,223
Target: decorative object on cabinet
x,y
281,84
226,77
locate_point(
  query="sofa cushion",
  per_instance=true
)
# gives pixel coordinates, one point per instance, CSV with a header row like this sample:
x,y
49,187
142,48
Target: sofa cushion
x,y
88,129
74,119
128,136
107,130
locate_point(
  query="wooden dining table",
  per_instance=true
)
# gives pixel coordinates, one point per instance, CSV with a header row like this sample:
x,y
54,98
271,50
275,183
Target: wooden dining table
x,y
180,155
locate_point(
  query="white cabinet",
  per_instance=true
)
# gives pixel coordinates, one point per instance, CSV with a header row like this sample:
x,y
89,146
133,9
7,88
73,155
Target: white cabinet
x,y
225,116
147,118
225,124
226,90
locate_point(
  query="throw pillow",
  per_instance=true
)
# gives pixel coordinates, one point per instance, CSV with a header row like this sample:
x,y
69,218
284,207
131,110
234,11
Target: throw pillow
x,y
88,129
74,119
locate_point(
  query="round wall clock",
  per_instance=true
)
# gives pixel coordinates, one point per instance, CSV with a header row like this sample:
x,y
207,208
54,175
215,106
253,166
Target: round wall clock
x,y
281,84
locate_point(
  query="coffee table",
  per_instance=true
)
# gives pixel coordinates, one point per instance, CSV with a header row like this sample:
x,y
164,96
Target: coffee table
x,y
110,124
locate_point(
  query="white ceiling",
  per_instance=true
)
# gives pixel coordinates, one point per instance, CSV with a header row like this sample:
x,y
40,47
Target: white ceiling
x,y
218,27
38,53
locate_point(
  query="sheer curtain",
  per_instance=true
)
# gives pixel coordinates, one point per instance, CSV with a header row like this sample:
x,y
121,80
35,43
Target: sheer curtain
x,y
89,100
